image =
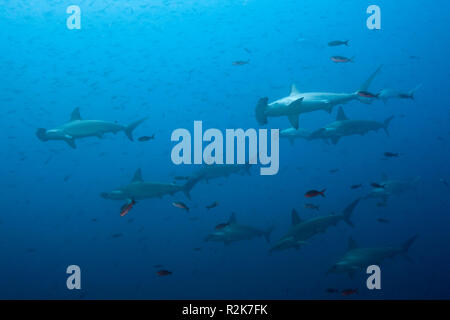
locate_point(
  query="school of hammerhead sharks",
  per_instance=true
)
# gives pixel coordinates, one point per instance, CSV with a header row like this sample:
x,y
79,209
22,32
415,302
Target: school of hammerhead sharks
x,y
291,106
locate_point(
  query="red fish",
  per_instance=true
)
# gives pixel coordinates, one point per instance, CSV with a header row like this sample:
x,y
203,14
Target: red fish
x,y
315,193
127,207
366,94
181,205
163,273
339,59
221,226
347,292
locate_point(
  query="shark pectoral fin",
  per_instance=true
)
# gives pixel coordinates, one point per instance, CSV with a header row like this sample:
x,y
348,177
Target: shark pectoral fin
x,y
293,119
70,141
291,141
334,140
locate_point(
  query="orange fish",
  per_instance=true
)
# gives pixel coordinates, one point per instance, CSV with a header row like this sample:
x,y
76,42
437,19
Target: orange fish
x,y
127,207
181,205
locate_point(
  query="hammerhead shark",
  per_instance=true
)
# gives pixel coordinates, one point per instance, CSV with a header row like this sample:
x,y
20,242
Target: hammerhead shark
x,y
139,189
344,127
297,103
78,128
232,231
301,231
356,258
388,187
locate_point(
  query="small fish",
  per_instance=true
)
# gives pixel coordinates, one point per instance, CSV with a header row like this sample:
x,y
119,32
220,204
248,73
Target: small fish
x,y
381,204
356,186
347,292
66,178
181,205
162,273
444,182
377,185
332,290
382,220
117,235
339,59
221,226
366,94
146,138
197,249
391,154
158,266
240,62
127,207
181,178
338,43
334,170
212,205
311,206
315,193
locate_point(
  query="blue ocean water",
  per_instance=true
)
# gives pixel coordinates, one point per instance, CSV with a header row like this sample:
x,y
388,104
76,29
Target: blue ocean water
x,y
172,61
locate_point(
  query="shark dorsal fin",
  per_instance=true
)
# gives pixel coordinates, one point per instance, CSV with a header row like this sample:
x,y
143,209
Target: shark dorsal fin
x,y
232,219
295,218
75,114
352,244
294,90
384,177
341,115
137,176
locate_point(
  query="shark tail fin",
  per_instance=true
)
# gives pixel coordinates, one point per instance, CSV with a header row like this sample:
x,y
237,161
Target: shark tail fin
x,y
386,124
260,111
365,86
411,92
130,128
268,232
348,212
346,42
189,185
408,243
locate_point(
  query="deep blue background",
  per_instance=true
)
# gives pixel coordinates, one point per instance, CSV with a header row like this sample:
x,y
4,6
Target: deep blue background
x,y
172,61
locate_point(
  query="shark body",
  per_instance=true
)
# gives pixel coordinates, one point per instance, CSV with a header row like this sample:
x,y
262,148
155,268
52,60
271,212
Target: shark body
x,y
298,103
138,189
345,127
301,231
78,128
233,232
357,259
388,93
391,187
